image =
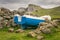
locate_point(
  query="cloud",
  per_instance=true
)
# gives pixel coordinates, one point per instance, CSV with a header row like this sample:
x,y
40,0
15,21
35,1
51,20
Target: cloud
x,y
50,2
14,4
42,2
13,1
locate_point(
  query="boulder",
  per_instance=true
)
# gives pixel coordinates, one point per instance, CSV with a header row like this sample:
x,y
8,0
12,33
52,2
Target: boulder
x,y
37,31
1,27
8,25
4,10
54,24
1,18
46,30
42,27
32,7
49,25
11,16
32,34
19,31
40,37
11,30
7,17
21,9
43,24
4,22
12,23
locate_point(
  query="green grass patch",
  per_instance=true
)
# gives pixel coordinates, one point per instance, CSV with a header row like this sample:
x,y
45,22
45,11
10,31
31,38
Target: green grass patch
x,y
5,35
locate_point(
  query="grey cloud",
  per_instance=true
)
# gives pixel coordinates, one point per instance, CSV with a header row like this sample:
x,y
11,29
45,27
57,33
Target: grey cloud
x,y
13,1
14,4
41,2
49,2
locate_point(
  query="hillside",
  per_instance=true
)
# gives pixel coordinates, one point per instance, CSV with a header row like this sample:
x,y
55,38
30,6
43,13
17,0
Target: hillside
x,y
54,12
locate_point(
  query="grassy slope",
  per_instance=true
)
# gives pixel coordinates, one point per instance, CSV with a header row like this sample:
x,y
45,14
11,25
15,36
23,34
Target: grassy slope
x,y
55,12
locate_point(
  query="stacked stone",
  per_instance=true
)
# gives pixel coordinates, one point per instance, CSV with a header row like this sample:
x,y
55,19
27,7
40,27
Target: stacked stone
x,y
45,28
6,17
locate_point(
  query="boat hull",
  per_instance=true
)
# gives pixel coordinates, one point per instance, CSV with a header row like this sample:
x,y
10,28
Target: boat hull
x,y
26,22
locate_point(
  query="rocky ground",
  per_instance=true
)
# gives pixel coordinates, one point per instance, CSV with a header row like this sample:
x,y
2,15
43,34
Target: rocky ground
x,y
6,18
45,28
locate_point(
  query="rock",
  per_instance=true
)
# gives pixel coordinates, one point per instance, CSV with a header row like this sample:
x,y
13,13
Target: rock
x,y
4,10
40,37
37,31
19,31
5,14
43,24
11,30
1,27
58,21
4,22
1,18
54,24
12,23
22,10
8,25
11,16
32,7
32,34
49,25
7,17
15,12
42,27
46,30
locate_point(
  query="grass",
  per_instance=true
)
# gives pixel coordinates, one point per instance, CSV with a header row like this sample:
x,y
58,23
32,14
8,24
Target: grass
x,y
5,35
14,36
55,35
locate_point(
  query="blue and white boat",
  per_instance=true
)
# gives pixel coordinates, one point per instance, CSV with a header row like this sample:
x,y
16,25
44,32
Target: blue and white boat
x,y
28,20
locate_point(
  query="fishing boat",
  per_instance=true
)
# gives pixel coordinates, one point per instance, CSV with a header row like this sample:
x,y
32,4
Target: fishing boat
x,y
28,20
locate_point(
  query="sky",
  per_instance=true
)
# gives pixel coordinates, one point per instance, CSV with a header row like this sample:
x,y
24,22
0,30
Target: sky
x,y
15,4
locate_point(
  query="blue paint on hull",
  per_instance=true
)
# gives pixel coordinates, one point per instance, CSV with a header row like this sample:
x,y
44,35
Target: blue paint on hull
x,y
25,22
